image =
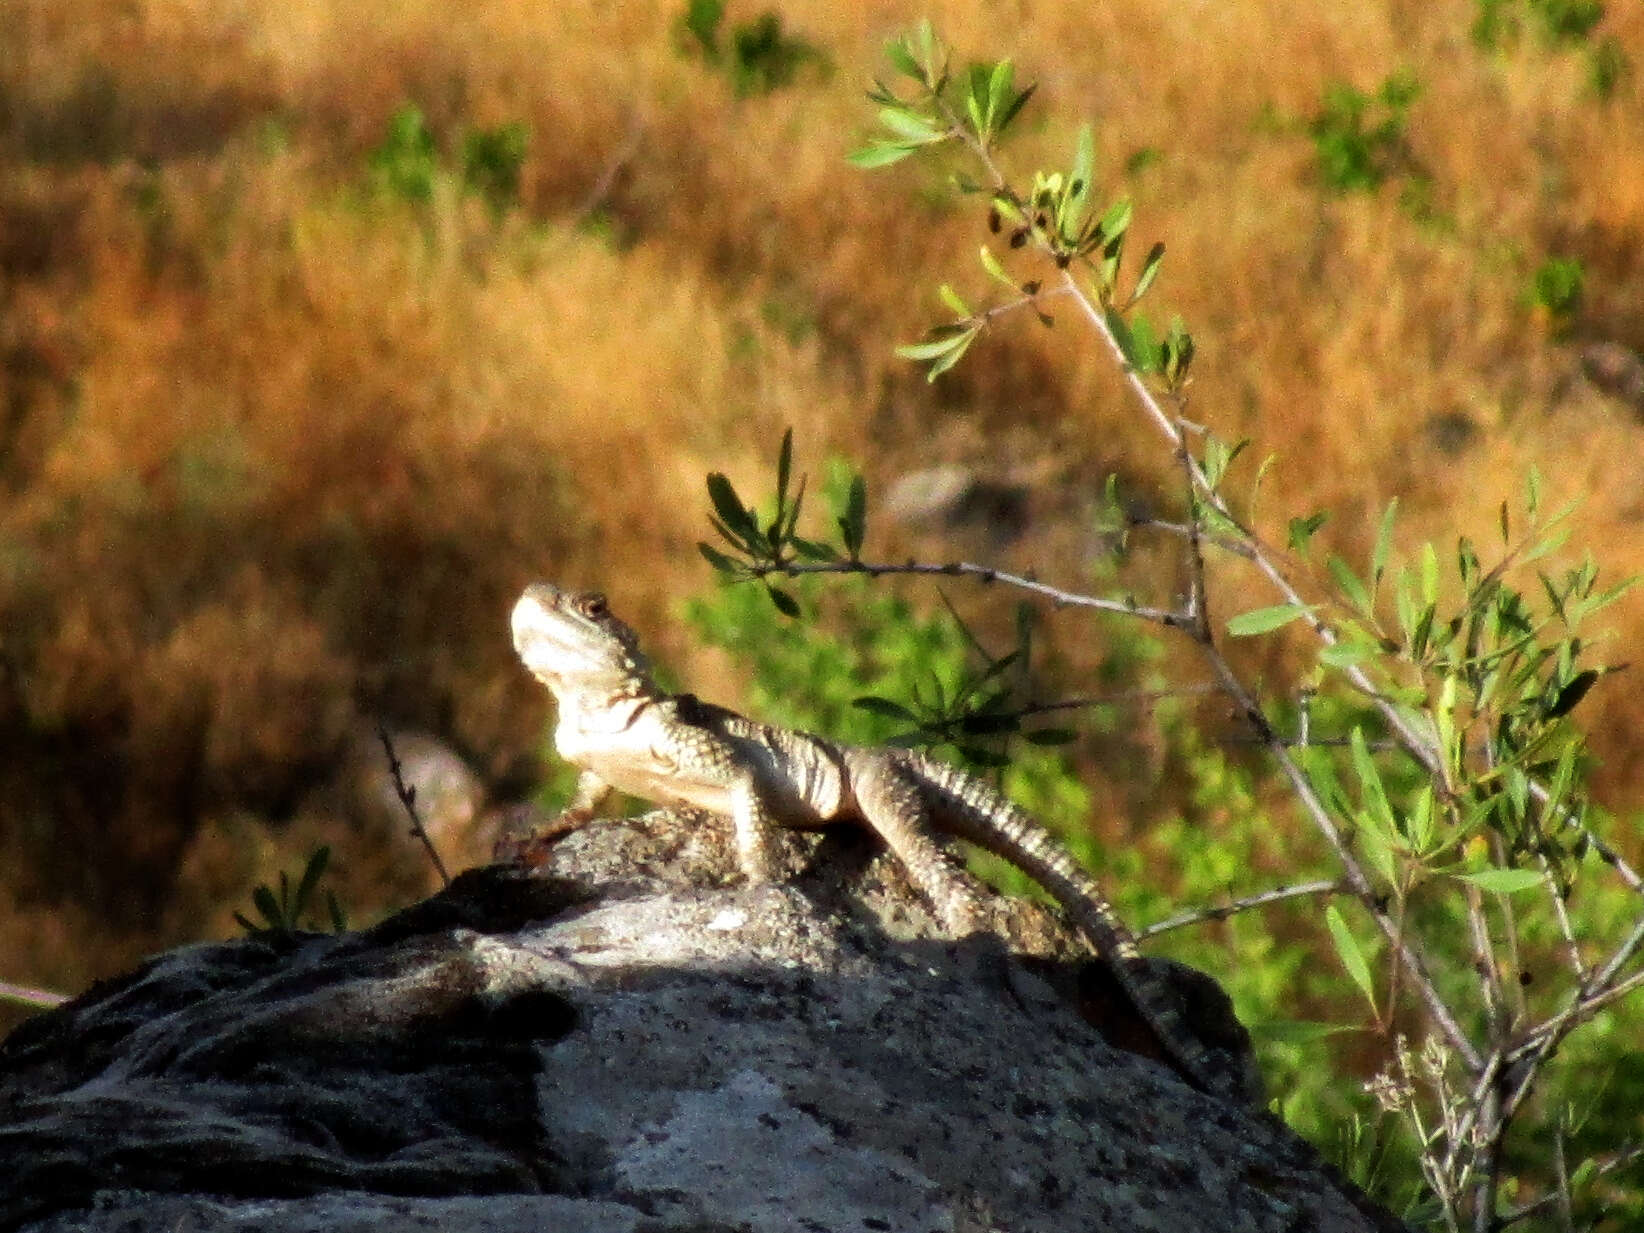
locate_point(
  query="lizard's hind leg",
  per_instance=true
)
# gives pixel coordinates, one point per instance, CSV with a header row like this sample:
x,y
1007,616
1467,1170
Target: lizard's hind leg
x,y
892,802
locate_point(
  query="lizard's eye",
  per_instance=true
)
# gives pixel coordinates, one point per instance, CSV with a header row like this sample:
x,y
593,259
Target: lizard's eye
x,y
594,605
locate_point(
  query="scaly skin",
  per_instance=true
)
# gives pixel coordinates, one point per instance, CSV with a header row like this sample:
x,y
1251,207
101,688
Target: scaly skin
x,y
626,734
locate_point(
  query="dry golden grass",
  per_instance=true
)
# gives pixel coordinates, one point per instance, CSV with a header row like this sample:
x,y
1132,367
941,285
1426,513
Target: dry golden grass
x,y
276,453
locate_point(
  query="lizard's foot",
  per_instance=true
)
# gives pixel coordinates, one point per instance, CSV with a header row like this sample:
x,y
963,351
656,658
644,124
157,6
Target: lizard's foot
x,y
530,848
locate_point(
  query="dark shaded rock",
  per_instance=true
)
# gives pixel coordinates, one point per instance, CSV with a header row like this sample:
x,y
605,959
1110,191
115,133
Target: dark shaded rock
x,y
631,1039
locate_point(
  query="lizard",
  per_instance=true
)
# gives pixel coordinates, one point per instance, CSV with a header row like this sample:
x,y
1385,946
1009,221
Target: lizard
x,y
625,733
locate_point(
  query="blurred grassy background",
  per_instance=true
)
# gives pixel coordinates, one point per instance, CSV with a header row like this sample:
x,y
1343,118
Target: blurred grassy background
x,y
326,325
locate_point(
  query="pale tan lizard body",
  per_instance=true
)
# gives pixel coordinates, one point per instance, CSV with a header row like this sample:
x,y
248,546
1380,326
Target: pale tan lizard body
x,y
627,734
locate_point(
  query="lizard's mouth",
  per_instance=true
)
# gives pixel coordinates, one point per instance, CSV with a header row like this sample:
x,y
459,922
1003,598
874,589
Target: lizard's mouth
x,y
564,636
534,625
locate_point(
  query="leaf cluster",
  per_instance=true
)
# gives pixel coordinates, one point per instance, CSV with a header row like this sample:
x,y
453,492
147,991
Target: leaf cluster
x,y
984,95
1448,785
407,165
1056,216
757,56
283,910
763,547
1359,137
988,706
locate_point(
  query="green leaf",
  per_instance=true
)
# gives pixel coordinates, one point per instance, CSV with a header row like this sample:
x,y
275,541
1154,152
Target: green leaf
x,y
875,705
879,154
986,724
1150,271
1504,881
1377,846
1144,343
1178,352
1117,219
947,338
990,263
1384,544
1219,456
976,108
784,470
1296,1031
716,558
785,603
1422,632
1419,820
1374,795
1352,957
811,550
1346,654
950,297
1303,529
1136,342
1264,620
999,87
853,523
736,518
1074,205
312,873
911,126
1351,588
1572,694
896,51
264,900
953,355
1002,122
1084,162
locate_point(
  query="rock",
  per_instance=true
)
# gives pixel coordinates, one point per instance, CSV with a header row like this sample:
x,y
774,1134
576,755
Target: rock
x,y
629,1039
951,496
1616,370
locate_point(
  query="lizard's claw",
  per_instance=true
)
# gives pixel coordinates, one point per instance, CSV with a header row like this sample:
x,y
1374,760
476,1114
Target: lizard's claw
x,y
531,846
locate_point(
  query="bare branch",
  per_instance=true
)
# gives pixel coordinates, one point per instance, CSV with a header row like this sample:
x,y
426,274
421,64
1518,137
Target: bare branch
x,y
1325,886
45,999
408,798
956,569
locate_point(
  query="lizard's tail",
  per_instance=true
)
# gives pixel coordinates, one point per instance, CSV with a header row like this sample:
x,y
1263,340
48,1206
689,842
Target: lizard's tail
x,y
968,808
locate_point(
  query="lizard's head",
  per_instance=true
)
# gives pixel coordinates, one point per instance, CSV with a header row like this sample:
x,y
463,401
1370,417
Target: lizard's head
x,y
571,640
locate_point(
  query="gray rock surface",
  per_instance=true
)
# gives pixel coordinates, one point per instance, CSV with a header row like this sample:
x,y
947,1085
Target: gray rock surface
x,y
629,1040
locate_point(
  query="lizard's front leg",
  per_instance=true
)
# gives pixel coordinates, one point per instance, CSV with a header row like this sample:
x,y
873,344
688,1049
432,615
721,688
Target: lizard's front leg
x,y
755,827
531,848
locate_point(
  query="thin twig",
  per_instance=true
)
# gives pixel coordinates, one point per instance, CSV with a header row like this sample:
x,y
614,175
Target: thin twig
x,y
408,798
45,999
1358,882
1118,698
1324,886
1072,599
1542,1040
601,190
